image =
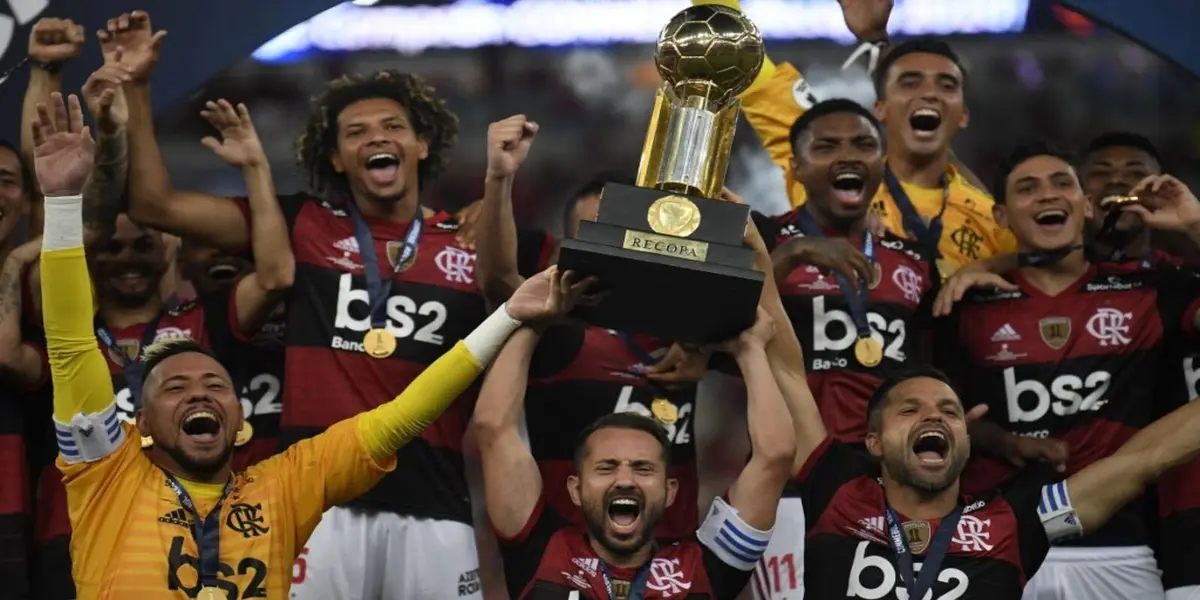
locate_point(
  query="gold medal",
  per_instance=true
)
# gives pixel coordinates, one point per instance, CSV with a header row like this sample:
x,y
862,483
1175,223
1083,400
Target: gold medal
x,y
868,351
664,410
212,593
244,435
379,343
946,268
147,442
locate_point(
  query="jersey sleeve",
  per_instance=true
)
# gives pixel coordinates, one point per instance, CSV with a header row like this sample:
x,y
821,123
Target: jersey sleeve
x,y
87,427
522,553
325,470
830,466
771,106
290,204
534,249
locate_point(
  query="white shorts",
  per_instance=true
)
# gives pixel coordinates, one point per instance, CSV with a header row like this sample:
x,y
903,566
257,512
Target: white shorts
x,y
1187,592
779,574
362,555
1114,573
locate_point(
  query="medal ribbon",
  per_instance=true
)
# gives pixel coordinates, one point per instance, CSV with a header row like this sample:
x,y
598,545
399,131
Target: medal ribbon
x,y
857,300
637,588
918,583
378,290
131,366
927,235
206,532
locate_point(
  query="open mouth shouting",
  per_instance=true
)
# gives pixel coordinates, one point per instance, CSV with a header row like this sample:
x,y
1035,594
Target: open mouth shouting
x,y
624,514
848,183
383,168
931,447
223,272
1051,218
202,426
925,122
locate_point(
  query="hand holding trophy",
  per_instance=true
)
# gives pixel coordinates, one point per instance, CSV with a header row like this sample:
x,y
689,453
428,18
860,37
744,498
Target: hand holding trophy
x,y
670,255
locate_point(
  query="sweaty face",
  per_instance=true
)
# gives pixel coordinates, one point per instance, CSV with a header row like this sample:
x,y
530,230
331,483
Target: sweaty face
x,y
923,102
840,162
377,149
622,488
128,269
923,440
192,412
1045,207
13,200
1114,171
209,269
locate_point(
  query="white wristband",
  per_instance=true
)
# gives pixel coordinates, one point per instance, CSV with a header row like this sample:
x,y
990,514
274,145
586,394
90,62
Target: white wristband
x,y
485,342
63,223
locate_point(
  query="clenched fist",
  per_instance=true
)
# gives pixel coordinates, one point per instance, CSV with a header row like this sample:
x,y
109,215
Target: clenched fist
x,y
508,145
55,40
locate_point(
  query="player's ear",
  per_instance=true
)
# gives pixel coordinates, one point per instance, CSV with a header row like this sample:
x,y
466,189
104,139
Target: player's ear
x,y
878,110
336,161
672,489
1089,209
965,119
143,428
1000,214
573,489
874,444
422,148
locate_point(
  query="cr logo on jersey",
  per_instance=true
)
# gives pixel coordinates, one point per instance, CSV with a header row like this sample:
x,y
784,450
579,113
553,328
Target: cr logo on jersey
x,y
666,577
1110,326
909,283
966,241
247,519
972,534
457,264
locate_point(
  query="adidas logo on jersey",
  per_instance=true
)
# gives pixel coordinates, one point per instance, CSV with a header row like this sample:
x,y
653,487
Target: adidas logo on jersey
x,y
178,517
1006,333
347,245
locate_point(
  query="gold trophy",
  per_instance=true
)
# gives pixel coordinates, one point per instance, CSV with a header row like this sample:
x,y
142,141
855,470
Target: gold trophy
x,y
671,256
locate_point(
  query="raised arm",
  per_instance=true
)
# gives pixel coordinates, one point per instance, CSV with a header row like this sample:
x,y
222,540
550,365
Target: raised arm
x,y
496,261
153,201
512,483
84,409
21,365
104,194
259,292
1096,492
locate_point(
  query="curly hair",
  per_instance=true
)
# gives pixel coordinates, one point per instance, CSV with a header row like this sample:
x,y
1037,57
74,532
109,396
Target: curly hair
x,y
431,120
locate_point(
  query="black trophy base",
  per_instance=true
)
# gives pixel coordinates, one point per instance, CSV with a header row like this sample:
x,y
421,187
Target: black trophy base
x,y
670,298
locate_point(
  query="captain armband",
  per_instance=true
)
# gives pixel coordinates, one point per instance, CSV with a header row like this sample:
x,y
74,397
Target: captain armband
x,y
1057,514
89,438
730,538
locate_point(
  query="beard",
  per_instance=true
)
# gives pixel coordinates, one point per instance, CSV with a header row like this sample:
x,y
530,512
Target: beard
x,y
898,466
595,516
199,469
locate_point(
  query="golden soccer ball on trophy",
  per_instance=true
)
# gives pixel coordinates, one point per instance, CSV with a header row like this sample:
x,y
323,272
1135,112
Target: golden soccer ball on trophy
x,y
709,50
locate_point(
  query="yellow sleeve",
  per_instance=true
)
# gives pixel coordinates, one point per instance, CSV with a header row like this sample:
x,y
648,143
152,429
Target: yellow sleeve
x,y
79,372
389,427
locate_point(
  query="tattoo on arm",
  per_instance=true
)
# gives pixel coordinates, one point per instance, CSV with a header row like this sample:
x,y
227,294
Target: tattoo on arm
x,y
104,195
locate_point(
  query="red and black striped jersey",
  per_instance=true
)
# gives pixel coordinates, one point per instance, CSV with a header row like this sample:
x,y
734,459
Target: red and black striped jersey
x,y
1073,366
998,545
256,364
897,310
435,301
581,373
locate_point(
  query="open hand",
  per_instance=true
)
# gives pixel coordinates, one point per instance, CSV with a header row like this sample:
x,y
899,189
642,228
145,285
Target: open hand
x,y
549,295
508,144
105,98
139,43
239,144
62,147
961,282
681,365
831,254
55,40
1166,204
